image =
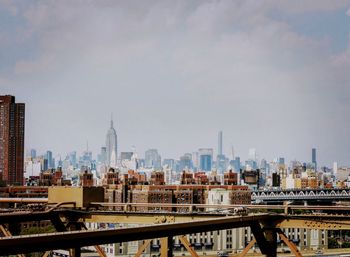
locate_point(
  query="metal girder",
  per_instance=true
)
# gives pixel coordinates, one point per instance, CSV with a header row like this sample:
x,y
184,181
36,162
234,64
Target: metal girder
x,y
166,247
5,231
97,247
46,254
271,238
22,200
314,224
187,245
100,251
143,247
145,218
58,224
265,241
8,233
24,216
290,244
247,248
43,242
75,252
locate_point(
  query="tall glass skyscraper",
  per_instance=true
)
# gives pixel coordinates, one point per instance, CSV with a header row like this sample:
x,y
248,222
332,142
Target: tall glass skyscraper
x,y
32,153
313,157
152,159
205,162
220,158
111,144
220,143
50,164
205,158
186,161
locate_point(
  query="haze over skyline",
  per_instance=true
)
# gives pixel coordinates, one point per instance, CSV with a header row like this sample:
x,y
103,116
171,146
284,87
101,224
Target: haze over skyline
x,y
271,75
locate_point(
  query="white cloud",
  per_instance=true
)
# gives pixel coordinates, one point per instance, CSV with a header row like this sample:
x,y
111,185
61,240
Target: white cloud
x,y
10,6
179,70
303,6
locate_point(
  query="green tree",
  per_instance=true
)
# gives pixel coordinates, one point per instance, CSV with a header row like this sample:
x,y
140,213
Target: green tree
x,y
333,243
37,230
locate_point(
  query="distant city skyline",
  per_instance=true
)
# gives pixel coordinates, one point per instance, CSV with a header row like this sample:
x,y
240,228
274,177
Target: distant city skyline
x,y
150,157
271,75
251,154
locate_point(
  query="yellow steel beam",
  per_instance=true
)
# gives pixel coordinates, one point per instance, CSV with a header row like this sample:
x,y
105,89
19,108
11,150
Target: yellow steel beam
x,y
75,252
46,254
166,248
314,224
100,251
187,245
131,218
290,244
247,248
4,231
143,247
163,247
128,206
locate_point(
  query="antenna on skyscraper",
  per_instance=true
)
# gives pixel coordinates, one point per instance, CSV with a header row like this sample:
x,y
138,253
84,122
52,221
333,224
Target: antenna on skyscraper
x,y
111,119
232,152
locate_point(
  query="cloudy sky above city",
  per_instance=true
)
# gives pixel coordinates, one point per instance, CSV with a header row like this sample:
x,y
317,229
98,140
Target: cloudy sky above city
x,y
272,75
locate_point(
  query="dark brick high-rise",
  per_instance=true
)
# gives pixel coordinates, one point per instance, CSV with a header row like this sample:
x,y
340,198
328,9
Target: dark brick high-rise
x,y
11,140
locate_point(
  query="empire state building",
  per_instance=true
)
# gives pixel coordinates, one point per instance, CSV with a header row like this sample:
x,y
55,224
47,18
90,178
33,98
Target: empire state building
x,y
111,146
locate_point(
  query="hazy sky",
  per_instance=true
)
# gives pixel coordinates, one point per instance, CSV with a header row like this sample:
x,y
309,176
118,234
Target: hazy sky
x,y
274,75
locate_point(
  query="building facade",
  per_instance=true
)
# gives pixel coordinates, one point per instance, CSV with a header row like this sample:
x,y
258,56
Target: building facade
x,y
12,117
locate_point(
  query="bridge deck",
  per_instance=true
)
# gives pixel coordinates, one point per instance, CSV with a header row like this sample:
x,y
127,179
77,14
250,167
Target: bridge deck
x,y
65,240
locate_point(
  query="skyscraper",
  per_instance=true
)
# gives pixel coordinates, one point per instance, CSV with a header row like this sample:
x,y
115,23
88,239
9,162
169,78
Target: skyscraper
x,y
335,168
220,158
205,158
236,164
220,143
73,158
186,161
281,160
126,155
49,159
111,144
170,163
195,160
33,153
102,157
152,159
314,162
11,140
252,154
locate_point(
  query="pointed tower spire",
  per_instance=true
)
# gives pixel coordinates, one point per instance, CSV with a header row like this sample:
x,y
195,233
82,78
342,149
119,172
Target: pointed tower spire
x,y
111,143
112,120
